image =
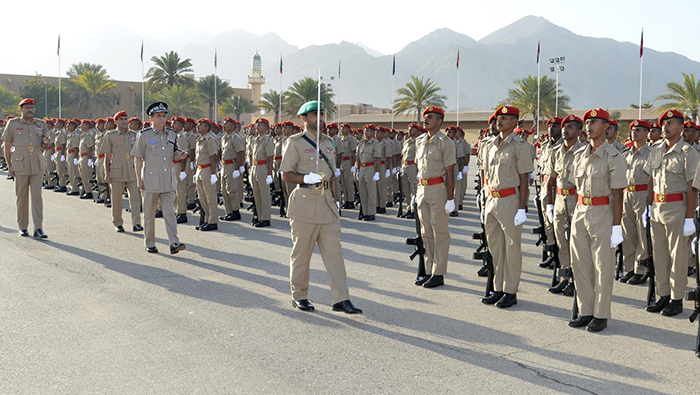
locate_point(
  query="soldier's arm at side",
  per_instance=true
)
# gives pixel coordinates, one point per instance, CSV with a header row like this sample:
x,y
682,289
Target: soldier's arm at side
x,y
524,189
692,196
138,165
617,206
650,191
551,185
450,178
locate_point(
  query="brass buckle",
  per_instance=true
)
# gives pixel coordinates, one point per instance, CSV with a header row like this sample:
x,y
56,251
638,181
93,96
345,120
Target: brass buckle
x,y
588,201
323,185
423,181
661,198
496,194
565,192
632,188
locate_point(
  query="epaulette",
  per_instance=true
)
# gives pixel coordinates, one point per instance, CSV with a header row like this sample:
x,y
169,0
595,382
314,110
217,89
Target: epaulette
x,y
518,139
686,147
613,151
581,149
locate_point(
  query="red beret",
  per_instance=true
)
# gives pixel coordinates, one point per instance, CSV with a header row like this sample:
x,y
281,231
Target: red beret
x,y
190,119
60,120
147,124
28,100
369,126
507,110
73,121
288,123
203,120
262,120
220,126
101,120
110,119
119,114
177,118
571,118
229,119
613,122
492,118
77,120
49,120
168,122
689,125
670,114
655,125
332,125
596,113
345,125
641,123
554,120
134,119
434,109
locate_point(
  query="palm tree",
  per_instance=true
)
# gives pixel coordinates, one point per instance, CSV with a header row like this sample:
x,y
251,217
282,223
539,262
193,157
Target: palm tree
x,y
170,70
237,105
685,98
181,101
205,88
416,96
80,67
524,96
8,102
306,90
270,101
91,89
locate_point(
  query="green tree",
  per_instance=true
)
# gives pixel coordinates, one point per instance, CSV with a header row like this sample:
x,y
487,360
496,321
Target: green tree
x,y
684,97
306,90
416,96
90,90
645,106
270,101
181,101
8,102
170,70
237,105
205,88
524,96
46,96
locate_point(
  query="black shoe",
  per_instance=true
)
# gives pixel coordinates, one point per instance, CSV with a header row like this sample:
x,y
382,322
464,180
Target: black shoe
x,y
626,277
176,247
381,210
548,263
421,280
159,214
559,288
483,272
199,227
597,325
23,233
495,297
508,300
434,281
39,234
48,187
303,305
60,189
152,250
454,214
637,279
10,178
233,216
119,229
659,305
262,224
137,228
460,207
368,218
72,193
674,308
410,215
181,218
569,290
349,205
108,203
191,206
691,271
99,201
389,204
581,321
347,307
86,196
360,217
209,227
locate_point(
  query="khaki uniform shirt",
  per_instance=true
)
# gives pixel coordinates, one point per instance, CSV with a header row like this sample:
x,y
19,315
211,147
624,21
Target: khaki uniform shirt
x,y
157,150
670,171
26,138
597,174
350,144
635,165
564,164
99,138
546,155
369,151
86,144
119,145
433,154
263,147
74,141
60,141
207,146
505,160
618,145
231,145
51,149
408,151
183,143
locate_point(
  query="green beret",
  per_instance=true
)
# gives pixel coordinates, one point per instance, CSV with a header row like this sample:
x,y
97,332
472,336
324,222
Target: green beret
x,y
310,106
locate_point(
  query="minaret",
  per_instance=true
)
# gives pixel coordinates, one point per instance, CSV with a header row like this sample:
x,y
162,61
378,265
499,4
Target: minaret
x,y
256,81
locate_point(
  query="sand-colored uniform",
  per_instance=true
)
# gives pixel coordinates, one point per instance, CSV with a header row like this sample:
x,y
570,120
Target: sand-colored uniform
x,y
314,218
545,163
671,170
634,202
183,144
392,181
460,153
409,170
592,259
49,156
231,145
207,146
117,146
433,155
99,166
159,179
564,198
28,164
340,150
384,157
347,189
618,146
192,137
504,160
262,149
463,184
86,150
61,156
240,184
368,158
73,144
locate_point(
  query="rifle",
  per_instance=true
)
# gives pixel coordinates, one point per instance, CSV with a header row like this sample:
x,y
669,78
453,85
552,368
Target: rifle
x,y
567,235
694,294
648,263
399,212
619,267
417,243
540,230
283,199
483,253
202,214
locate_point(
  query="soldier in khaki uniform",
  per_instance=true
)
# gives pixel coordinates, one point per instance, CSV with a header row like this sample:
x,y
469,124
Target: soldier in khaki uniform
x,y
451,132
409,169
435,157
611,136
332,132
49,156
368,158
207,159
3,162
506,168
599,175
672,172
561,197
190,168
634,204
313,213
232,157
549,146
465,165
72,148
86,149
347,166
120,173
183,143
102,185
262,150
154,152
654,133
24,139
60,158
384,172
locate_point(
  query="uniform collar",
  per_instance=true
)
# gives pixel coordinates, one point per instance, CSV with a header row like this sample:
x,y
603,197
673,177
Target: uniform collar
x,y
600,149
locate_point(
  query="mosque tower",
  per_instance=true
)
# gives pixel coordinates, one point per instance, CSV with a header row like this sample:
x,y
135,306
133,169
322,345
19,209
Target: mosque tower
x,y
256,80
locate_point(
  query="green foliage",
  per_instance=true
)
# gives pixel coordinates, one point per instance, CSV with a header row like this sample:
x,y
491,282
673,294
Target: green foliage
x,y
205,88
170,70
34,88
89,89
8,102
181,101
417,95
270,101
524,96
683,97
306,90
237,105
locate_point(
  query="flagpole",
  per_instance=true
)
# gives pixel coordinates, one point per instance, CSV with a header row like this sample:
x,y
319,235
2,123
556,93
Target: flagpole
x,y
59,76
458,86
641,70
393,78
143,87
280,100
318,121
337,99
216,102
537,117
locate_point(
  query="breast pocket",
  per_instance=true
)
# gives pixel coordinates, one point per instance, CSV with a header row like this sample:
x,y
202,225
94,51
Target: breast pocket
x,y
116,171
676,166
302,204
18,163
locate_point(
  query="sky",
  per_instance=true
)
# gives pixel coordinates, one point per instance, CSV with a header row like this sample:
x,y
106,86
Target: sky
x,y
386,26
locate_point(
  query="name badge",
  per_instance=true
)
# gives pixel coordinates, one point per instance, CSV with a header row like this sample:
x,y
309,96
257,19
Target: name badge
x,y
309,150
117,139
153,141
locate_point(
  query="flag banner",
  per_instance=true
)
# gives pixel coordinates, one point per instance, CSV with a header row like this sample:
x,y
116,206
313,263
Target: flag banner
x,y
281,64
393,65
142,50
339,69
538,51
457,58
641,45
215,62
58,50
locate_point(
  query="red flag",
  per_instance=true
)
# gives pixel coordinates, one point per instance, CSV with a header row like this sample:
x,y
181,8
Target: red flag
x,y
58,50
538,51
457,58
280,64
641,45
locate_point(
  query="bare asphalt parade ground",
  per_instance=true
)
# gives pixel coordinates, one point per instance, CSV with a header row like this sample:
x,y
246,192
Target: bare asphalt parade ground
x,y
90,312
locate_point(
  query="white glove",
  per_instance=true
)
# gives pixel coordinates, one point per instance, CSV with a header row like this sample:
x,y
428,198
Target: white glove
x,y
532,176
191,165
688,227
534,200
75,161
337,172
242,169
646,216
52,158
694,246
393,170
338,205
352,169
465,169
376,176
387,174
236,174
182,176
312,178
459,176
520,217
413,200
550,213
450,206
268,180
616,237
418,177
63,158
357,176
213,179
194,178
90,162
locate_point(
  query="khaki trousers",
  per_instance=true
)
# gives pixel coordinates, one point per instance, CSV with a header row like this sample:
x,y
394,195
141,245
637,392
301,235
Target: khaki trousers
x,y
504,241
85,174
181,195
167,203
409,184
24,185
434,227
560,227
459,197
381,187
634,245
207,195
347,189
229,189
463,187
134,202
61,168
261,192
592,259
50,168
100,175
191,187
73,174
671,252
368,190
548,226
305,236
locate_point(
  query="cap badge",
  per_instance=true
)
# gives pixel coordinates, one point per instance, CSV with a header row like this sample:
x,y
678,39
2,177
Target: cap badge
x,y
504,110
636,123
594,113
571,117
669,114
